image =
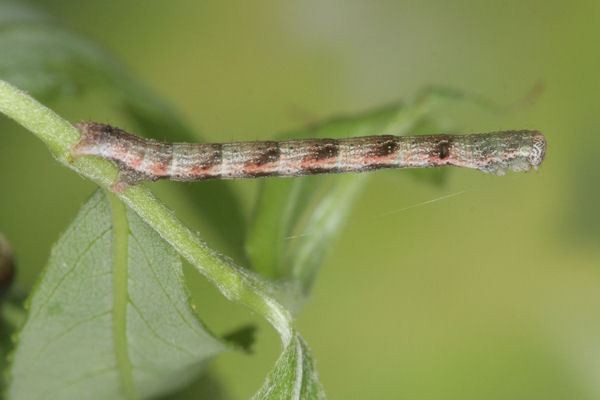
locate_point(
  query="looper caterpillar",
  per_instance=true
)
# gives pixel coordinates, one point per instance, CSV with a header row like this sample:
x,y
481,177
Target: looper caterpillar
x,y
140,159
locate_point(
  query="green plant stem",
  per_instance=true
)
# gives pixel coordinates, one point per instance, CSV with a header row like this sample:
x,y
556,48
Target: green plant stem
x,y
234,282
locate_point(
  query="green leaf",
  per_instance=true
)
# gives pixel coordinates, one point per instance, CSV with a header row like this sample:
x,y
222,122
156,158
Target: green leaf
x,y
110,317
295,220
213,200
39,56
15,11
232,281
294,376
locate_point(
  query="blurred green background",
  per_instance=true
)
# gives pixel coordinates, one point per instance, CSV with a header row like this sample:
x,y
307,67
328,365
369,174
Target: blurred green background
x,y
492,293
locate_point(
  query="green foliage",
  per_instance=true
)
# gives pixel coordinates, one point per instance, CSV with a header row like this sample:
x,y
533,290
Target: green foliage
x,y
295,220
110,317
294,375
48,61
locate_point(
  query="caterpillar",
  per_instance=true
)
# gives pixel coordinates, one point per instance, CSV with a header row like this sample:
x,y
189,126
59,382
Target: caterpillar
x,y
140,159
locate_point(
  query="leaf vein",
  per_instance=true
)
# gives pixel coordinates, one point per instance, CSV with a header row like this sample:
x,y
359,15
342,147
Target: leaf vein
x,y
73,268
66,331
75,381
159,337
162,288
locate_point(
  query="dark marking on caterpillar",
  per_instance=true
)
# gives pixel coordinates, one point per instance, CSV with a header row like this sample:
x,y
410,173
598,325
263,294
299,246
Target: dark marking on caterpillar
x,y
141,159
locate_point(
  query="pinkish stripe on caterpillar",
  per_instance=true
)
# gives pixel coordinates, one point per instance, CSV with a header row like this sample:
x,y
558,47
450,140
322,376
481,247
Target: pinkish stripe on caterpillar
x,y
140,159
